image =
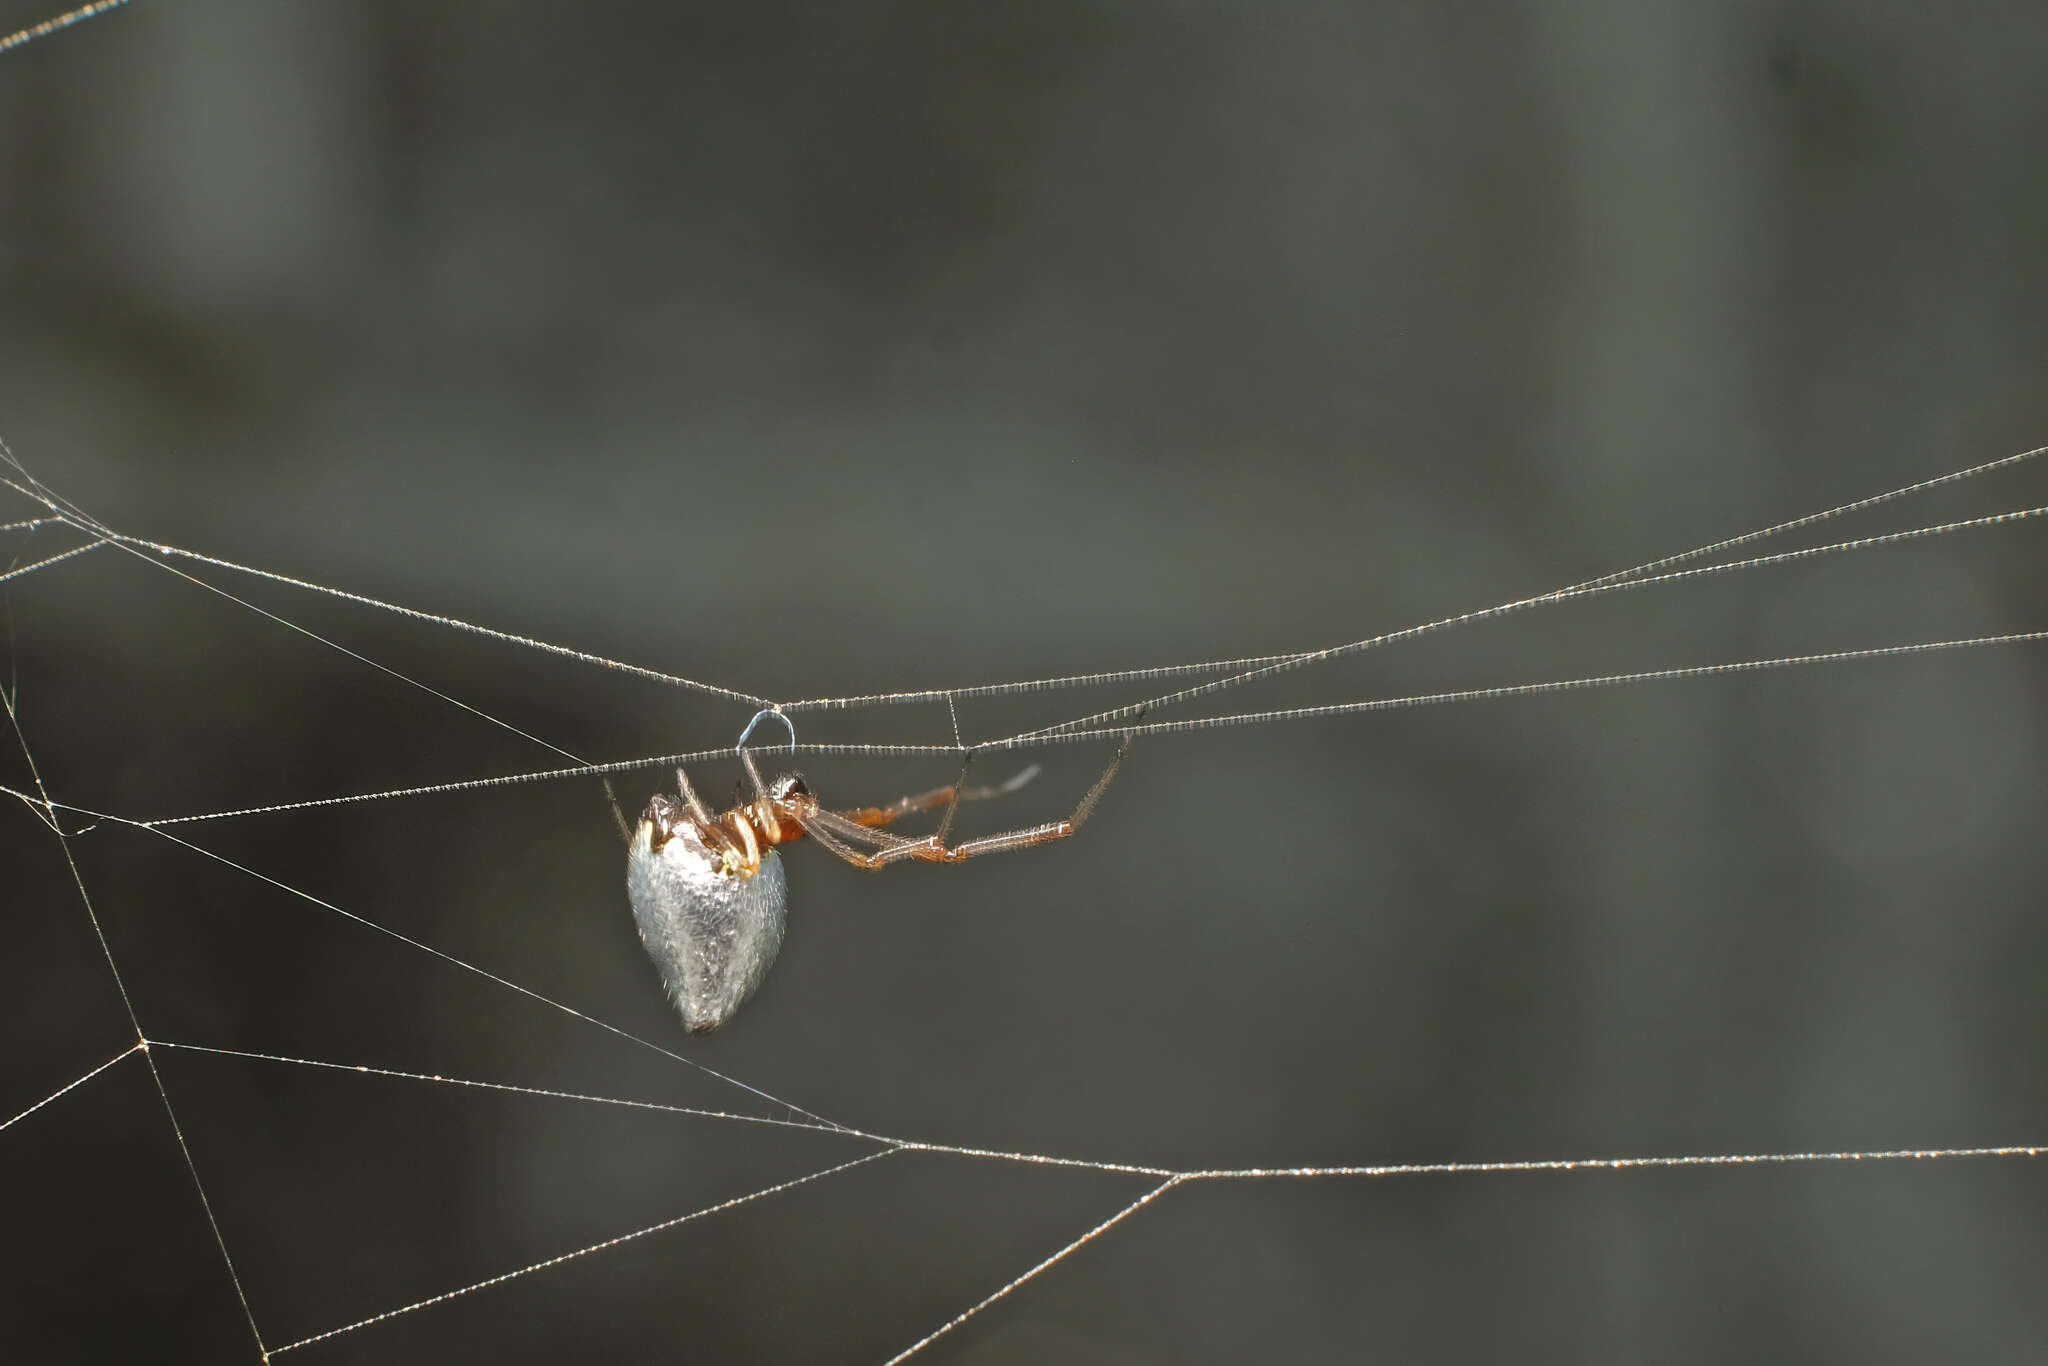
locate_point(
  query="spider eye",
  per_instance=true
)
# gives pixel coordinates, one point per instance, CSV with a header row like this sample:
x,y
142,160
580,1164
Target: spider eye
x,y
788,785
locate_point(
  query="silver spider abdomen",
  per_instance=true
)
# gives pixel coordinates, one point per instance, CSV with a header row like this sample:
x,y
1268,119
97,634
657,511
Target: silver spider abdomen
x,y
712,933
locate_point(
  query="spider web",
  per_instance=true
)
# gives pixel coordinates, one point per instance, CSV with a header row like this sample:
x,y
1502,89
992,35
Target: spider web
x,y
72,822
426,1101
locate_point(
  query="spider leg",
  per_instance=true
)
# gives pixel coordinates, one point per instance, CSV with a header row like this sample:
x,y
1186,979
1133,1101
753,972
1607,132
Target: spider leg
x,y
625,830
690,796
934,848
848,831
937,838
844,839
832,842
877,816
753,776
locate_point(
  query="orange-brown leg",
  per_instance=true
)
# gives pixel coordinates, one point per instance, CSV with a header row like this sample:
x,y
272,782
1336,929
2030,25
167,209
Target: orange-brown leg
x,y
934,849
876,817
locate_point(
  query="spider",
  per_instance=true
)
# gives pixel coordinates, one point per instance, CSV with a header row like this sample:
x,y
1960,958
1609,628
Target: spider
x,y
708,891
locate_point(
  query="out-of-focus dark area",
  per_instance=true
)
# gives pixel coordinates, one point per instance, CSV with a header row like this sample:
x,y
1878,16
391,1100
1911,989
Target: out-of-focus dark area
x,y
826,350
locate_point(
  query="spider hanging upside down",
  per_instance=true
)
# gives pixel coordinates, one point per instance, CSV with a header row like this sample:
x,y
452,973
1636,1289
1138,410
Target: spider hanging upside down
x,y
708,891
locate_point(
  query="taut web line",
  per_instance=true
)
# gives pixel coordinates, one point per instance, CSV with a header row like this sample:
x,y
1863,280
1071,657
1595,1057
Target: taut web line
x,y
1169,1177
1261,665
1641,575
63,21
72,1085
1096,725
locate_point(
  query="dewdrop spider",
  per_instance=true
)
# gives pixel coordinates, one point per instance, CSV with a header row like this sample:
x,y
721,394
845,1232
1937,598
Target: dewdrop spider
x,y
708,892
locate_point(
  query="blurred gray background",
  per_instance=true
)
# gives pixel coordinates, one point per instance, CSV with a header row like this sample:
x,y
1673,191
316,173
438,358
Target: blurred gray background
x,y
825,350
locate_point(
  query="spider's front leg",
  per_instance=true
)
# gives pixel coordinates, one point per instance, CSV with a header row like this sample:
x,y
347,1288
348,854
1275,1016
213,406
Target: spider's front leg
x,y
934,849
875,817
